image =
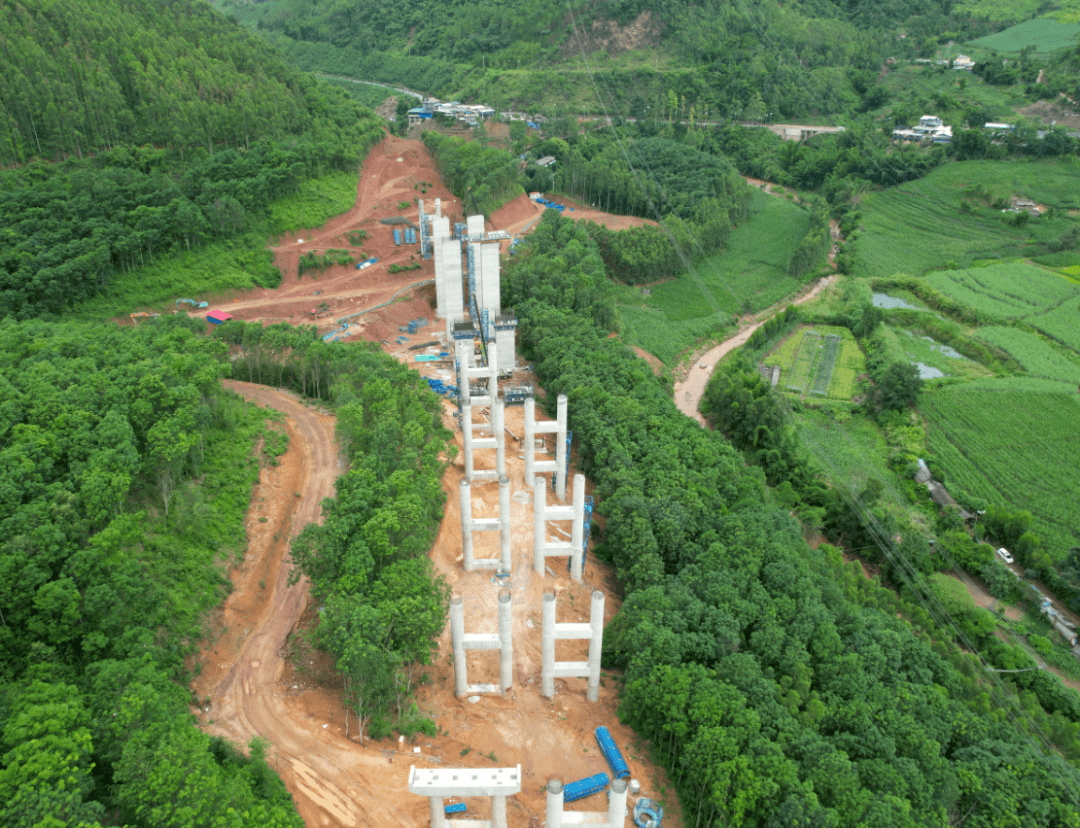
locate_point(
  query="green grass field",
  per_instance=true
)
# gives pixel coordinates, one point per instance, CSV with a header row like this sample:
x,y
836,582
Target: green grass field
x,y
1005,291
222,269
746,277
851,453
919,226
1044,33
801,359
1037,357
1005,444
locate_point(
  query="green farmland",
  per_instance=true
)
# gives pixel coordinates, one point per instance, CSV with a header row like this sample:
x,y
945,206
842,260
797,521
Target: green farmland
x,y
1005,291
822,361
922,226
1036,357
746,277
1002,444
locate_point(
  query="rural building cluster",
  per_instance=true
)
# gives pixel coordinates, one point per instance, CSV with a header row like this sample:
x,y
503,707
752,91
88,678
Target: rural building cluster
x,y
930,128
468,114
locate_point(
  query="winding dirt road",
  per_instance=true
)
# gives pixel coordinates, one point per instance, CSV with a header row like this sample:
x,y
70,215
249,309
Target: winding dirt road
x,y
327,774
689,392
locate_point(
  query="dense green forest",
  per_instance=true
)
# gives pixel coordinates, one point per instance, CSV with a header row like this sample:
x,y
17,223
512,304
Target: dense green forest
x,y
110,556
778,685
144,167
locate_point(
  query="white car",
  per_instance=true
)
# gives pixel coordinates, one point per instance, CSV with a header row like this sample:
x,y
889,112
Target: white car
x,y
1004,555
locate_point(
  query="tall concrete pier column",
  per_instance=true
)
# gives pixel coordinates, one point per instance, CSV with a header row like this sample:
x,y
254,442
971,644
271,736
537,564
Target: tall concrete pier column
x,y
530,441
457,639
438,783
596,643
467,438
577,529
560,448
466,525
505,558
506,641
498,425
554,803
617,803
547,647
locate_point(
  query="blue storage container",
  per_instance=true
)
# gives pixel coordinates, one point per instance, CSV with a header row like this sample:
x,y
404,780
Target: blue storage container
x,y
397,237
456,808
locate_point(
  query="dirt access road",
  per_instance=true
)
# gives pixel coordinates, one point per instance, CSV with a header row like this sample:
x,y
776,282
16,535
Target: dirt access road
x,y
688,393
242,674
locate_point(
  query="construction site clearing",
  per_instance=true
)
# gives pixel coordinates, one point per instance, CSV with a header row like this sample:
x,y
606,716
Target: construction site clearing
x,y
256,677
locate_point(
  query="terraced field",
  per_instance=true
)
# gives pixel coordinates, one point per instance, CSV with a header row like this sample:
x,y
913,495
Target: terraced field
x,y
1005,291
1035,356
920,226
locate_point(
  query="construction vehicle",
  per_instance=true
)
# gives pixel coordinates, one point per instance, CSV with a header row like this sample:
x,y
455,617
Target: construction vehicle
x,y
322,310
194,305
140,315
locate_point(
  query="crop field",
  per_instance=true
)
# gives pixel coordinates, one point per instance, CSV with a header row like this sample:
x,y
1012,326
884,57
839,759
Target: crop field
x,y
746,277
1061,323
918,226
1004,291
1017,447
1044,33
822,361
1035,356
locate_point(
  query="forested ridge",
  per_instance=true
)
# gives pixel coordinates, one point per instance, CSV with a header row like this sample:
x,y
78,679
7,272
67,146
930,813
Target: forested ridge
x,y
78,77
777,684
133,130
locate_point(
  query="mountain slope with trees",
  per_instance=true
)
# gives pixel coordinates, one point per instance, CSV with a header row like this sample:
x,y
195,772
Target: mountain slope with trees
x,y
132,131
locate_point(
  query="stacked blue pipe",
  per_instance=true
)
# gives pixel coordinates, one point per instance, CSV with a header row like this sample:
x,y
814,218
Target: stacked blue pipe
x,y
584,787
611,753
456,808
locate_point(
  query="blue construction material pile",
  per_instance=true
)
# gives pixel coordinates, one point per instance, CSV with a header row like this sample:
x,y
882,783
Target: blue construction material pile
x,y
367,263
397,238
440,387
611,753
551,204
584,787
456,808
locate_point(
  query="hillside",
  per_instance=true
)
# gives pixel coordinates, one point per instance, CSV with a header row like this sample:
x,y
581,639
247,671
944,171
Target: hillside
x,y
130,136
775,59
